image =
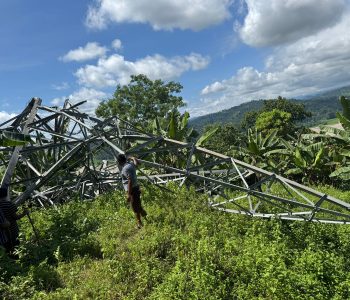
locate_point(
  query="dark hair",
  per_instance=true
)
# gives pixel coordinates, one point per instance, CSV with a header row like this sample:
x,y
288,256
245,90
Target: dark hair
x,y
3,193
121,158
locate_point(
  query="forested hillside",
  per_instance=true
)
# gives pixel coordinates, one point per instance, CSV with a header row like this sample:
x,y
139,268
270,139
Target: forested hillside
x,y
322,106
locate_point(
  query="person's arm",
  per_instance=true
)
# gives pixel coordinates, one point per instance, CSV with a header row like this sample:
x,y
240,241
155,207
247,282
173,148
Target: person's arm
x,y
135,161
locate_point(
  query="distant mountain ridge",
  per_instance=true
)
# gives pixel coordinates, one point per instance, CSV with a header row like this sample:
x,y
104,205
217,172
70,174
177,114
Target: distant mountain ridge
x,y
323,106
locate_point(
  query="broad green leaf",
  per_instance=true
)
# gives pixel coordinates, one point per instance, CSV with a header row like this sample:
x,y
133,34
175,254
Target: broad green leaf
x,y
11,139
206,136
342,172
278,151
156,126
294,171
253,148
172,127
345,152
287,144
318,157
270,137
185,118
344,121
315,147
299,160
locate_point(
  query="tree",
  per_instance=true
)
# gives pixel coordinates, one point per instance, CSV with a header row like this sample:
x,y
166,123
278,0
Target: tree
x,y
226,137
142,100
296,110
275,120
249,119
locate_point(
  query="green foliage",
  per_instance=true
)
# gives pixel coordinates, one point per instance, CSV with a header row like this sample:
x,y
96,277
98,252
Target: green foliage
x,y
297,110
338,140
10,139
280,114
345,103
185,251
225,138
175,127
249,119
142,100
274,120
322,107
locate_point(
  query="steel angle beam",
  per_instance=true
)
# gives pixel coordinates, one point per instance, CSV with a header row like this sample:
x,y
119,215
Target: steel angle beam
x,y
69,145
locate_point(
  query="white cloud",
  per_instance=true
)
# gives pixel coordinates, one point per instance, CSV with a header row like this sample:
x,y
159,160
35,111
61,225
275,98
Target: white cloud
x,y
310,65
115,69
160,14
213,88
4,116
92,96
88,52
61,86
275,22
117,44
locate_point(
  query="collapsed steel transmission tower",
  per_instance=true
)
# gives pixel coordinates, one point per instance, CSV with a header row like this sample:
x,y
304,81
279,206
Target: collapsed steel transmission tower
x,y
72,154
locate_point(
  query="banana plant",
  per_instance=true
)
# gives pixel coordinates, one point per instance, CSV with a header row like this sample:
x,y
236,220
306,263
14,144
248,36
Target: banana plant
x,y
11,139
304,160
339,141
257,146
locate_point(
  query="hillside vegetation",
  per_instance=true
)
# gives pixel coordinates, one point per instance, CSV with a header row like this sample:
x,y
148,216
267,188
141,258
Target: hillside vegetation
x,y
322,106
91,250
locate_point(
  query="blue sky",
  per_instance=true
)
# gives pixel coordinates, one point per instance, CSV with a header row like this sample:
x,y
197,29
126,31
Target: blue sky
x,y
224,52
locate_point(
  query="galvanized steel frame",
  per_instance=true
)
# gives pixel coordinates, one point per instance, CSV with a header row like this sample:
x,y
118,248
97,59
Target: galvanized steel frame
x,y
61,163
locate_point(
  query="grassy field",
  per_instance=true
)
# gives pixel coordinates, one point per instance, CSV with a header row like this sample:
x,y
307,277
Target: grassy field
x,y
91,250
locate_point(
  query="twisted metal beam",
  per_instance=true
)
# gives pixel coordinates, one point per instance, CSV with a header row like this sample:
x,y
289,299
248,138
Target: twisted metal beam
x,y
73,154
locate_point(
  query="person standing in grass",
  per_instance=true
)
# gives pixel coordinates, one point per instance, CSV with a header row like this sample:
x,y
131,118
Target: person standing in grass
x,y
4,225
9,226
129,180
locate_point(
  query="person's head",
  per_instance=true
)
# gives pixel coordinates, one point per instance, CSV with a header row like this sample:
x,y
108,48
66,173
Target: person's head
x,y
121,159
3,193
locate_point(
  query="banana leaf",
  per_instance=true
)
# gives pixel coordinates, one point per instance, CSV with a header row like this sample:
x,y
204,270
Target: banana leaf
x,y
318,157
172,127
11,139
294,171
299,160
343,173
206,136
344,121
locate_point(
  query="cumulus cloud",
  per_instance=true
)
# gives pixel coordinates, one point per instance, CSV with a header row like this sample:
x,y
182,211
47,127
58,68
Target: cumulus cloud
x,y
309,65
4,116
88,52
275,22
92,96
115,69
61,86
160,14
117,44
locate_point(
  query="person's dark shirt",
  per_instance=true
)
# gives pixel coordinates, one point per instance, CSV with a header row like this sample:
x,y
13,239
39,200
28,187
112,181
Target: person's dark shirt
x,y
9,211
3,235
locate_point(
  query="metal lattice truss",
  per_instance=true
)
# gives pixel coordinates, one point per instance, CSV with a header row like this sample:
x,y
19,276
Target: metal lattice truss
x,y
73,154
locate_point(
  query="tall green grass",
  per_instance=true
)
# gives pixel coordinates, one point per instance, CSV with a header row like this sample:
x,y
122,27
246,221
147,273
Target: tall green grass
x,y
91,250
